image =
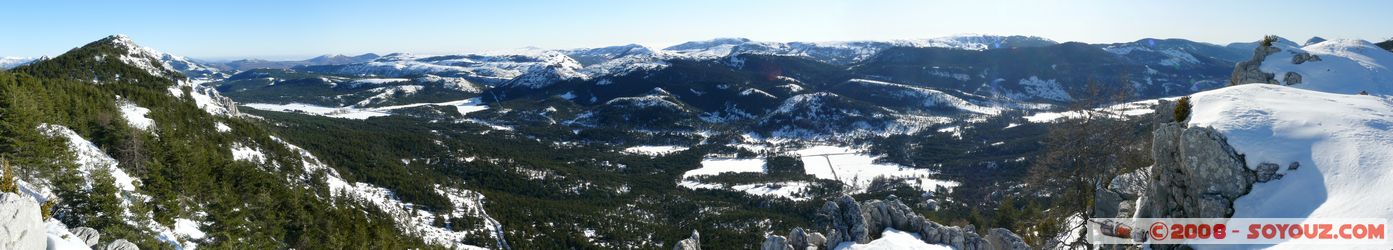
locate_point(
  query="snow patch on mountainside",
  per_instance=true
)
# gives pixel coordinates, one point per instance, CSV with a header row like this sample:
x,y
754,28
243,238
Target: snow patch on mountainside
x,y
1345,66
934,98
1342,143
136,116
407,215
89,159
1041,88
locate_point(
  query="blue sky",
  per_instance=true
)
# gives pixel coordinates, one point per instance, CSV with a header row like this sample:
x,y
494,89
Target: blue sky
x,y
298,29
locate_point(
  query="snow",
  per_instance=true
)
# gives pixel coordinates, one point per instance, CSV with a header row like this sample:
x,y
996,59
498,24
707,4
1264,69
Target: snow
x,y
420,223
788,189
716,166
654,150
244,153
379,80
1045,89
858,170
136,116
932,98
1122,110
793,190
1345,66
1341,141
222,127
188,228
464,106
59,238
11,62
893,239
89,158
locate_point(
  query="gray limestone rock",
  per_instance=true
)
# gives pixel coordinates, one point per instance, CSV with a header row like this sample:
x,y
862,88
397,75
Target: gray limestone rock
x,y
775,242
20,225
692,243
1266,171
88,235
120,244
1292,78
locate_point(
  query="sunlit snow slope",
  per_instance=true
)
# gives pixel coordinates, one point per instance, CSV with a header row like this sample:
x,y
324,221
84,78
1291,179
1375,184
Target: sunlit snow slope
x,y
1343,143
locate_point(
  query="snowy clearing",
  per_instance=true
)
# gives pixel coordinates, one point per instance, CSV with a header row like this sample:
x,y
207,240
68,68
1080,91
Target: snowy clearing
x,y
858,170
717,166
654,150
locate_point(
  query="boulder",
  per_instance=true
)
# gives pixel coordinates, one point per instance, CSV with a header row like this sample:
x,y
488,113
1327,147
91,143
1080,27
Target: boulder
x,y
798,239
120,244
815,240
1266,171
775,242
88,235
20,223
1302,57
692,243
1292,78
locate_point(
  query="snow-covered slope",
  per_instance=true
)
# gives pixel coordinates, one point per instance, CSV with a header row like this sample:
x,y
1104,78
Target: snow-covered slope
x,y
137,55
1344,66
1342,143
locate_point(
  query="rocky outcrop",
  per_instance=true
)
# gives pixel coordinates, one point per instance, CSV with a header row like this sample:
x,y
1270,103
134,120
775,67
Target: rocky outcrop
x,y
88,235
120,244
692,243
20,226
1248,72
1196,174
845,220
842,221
798,239
1304,57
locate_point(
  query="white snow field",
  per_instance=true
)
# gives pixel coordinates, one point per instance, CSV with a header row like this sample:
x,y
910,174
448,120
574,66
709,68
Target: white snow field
x,y
858,170
136,116
716,166
892,239
1343,143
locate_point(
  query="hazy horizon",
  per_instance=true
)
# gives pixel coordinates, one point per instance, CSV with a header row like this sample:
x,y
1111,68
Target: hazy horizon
x,y
300,30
